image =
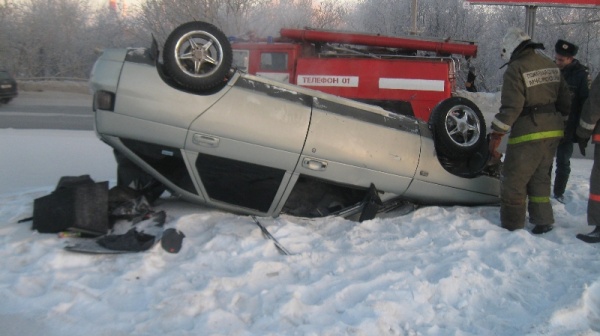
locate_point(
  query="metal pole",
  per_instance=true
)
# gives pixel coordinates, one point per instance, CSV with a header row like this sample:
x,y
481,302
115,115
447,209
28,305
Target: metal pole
x,y
414,17
530,20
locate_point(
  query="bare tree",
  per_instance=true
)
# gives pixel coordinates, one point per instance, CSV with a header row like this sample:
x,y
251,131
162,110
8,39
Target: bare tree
x,y
110,29
386,17
240,17
234,17
9,28
330,14
51,38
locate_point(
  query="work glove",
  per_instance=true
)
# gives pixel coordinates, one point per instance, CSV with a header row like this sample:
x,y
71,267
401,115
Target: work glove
x,y
494,140
582,142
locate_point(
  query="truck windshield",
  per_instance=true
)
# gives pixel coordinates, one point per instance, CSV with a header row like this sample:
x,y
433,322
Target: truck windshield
x,y
240,59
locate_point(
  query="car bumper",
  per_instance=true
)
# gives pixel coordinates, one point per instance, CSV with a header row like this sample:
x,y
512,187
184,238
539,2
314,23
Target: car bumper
x,y
8,94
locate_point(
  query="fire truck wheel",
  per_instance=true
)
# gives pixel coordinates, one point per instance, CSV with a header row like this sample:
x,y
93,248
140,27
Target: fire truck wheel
x,y
198,56
458,127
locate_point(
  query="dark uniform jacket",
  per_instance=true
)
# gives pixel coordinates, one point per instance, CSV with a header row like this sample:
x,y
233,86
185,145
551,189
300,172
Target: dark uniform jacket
x,y
532,92
590,114
588,125
577,77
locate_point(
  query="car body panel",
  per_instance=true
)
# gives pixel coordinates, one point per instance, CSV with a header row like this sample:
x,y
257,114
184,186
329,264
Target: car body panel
x,y
356,152
106,74
160,108
125,126
257,118
435,185
146,116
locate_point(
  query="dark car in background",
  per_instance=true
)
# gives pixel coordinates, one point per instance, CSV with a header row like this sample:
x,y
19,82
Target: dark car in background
x,y
8,87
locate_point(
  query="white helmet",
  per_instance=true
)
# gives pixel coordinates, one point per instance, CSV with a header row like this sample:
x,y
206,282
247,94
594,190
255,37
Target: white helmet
x,y
513,38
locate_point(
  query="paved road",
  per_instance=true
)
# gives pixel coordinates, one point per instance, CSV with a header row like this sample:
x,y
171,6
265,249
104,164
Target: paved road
x,y
48,110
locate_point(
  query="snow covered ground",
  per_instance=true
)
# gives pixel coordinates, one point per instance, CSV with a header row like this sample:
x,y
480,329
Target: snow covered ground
x,y
434,271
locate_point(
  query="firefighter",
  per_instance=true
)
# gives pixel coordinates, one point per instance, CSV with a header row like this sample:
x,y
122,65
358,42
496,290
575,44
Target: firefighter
x,y
589,127
577,77
535,103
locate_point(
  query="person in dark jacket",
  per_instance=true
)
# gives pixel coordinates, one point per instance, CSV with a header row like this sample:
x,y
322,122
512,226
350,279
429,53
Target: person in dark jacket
x,y
470,83
577,77
535,103
590,127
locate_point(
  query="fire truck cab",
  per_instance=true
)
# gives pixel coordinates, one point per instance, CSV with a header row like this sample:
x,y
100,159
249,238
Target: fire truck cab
x,y
405,75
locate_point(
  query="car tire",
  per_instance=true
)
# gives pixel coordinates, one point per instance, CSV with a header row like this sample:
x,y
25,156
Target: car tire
x,y
458,127
198,56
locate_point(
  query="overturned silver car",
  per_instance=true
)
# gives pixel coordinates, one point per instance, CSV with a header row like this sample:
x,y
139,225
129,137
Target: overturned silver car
x,y
189,122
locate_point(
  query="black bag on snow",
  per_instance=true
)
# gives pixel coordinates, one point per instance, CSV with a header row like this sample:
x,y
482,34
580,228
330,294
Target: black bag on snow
x,y
77,204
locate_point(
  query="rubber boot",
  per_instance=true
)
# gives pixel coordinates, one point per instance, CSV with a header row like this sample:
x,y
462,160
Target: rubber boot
x,y
592,237
539,229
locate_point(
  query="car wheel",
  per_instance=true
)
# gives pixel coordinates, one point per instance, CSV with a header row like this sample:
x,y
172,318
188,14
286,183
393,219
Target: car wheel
x,y
458,127
197,56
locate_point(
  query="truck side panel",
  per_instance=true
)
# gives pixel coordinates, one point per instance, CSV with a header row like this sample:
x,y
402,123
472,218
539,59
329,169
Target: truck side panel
x,y
423,83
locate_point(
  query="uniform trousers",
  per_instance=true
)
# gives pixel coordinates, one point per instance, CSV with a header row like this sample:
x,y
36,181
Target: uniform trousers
x,y
526,182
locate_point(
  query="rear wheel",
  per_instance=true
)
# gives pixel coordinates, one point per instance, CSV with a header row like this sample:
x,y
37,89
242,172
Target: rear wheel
x,y
197,56
458,127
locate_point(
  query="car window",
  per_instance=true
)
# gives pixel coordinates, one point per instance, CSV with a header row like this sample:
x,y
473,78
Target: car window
x,y
313,197
168,161
4,75
274,61
239,183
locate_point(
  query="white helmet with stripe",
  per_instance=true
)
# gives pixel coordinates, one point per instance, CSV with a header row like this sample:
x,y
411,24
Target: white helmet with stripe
x,y
513,38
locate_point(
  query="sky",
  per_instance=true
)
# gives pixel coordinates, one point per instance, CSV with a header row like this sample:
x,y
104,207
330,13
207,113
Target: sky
x,y
448,270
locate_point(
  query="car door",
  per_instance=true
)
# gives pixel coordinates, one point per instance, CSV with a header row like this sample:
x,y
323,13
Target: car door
x,y
358,145
245,148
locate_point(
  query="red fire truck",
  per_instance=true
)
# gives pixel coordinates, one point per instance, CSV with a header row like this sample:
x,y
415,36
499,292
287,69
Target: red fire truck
x,y
402,74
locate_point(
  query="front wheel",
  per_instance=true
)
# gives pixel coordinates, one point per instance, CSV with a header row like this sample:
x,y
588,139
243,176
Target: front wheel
x,y
197,56
458,126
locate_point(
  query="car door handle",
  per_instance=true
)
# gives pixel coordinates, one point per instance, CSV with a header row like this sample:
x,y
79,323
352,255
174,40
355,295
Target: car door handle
x,y
313,164
205,140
